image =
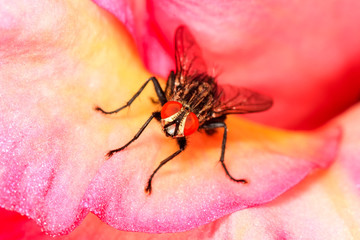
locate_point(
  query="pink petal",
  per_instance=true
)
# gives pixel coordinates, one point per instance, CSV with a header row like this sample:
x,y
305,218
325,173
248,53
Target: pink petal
x,y
349,156
327,198
15,226
323,206
305,211
308,210
56,65
304,54
192,190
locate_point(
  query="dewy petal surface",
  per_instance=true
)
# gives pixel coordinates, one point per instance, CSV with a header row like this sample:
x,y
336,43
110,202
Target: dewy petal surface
x,y
327,198
303,53
193,189
57,63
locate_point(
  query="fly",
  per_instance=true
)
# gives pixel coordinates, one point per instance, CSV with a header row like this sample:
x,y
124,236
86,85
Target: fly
x,y
192,100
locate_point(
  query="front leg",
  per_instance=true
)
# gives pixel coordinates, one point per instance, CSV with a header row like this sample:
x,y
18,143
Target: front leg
x,y
214,125
155,115
182,144
159,92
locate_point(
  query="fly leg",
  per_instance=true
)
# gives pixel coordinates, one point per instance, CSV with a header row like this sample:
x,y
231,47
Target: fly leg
x,y
159,92
182,144
222,125
155,115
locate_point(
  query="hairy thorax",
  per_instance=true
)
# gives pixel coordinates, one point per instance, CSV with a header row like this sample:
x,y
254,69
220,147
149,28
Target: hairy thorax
x,y
197,96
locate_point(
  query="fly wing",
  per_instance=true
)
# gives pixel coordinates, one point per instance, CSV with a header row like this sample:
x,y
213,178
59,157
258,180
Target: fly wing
x,y
189,61
237,100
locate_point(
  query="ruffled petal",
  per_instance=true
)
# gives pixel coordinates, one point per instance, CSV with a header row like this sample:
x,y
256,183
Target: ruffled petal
x,y
56,66
193,189
326,198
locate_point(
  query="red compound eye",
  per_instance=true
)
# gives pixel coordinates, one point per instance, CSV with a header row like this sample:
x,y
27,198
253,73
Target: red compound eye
x,y
170,108
191,124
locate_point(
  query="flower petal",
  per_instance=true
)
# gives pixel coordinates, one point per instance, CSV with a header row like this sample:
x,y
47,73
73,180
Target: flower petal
x,y
304,54
53,72
326,198
349,155
193,189
56,66
15,226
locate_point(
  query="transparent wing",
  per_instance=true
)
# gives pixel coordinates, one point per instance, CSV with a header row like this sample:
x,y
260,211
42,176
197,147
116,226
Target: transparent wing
x,y
189,61
237,100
